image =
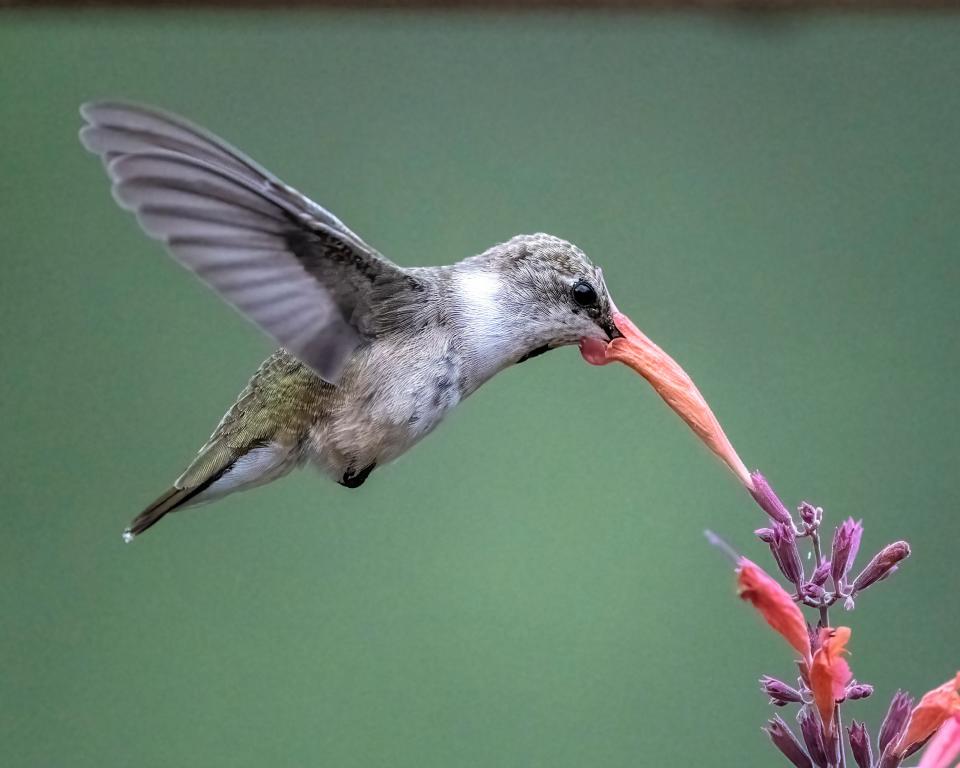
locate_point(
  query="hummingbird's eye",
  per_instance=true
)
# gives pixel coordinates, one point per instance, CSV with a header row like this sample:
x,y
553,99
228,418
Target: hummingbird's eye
x,y
584,294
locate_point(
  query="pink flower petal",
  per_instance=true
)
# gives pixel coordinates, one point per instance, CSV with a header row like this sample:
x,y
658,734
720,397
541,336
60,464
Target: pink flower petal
x,y
671,382
829,672
944,748
775,605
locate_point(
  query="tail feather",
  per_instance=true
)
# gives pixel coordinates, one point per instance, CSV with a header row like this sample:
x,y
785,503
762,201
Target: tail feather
x,y
167,502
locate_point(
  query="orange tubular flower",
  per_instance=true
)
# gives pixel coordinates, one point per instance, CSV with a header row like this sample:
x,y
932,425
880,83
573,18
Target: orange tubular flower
x,y
829,672
775,605
945,746
934,709
671,382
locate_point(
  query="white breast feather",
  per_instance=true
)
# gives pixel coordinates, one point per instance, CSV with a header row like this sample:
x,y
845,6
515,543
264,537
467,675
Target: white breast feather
x,y
488,336
481,312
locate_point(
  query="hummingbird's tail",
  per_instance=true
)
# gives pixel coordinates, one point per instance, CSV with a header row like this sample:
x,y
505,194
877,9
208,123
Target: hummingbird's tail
x,y
220,469
167,502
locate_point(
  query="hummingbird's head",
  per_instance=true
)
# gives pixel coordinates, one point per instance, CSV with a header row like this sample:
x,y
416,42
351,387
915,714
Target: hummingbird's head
x,y
537,292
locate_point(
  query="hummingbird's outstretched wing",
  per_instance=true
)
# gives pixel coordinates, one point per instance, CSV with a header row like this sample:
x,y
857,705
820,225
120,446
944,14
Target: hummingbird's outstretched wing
x,y
285,262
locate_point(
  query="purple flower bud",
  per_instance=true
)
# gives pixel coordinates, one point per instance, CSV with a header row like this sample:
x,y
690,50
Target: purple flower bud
x,y
860,745
846,542
785,552
813,591
821,574
896,720
812,732
832,744
811,515
765,535
784,740
883,564
779,692
858,691
768,500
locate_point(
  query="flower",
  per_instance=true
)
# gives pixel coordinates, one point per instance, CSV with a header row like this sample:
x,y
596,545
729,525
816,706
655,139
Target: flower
x,y
820,573
882,565
829,672
812,733
813,592
671,382
775,605
858,691
944,748
810,515
860,745
895,721
785,552
784,740
846,542
779,692
934,709
768,500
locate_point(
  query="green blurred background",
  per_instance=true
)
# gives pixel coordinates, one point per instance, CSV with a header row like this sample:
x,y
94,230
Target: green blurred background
x,y
774,199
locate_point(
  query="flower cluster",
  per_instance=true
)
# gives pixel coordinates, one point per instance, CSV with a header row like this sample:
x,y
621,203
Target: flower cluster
x,y
830,580
825,680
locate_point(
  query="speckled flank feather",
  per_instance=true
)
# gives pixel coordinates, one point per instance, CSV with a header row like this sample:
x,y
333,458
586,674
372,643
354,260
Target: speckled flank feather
x,y
273,415
279,405
374,355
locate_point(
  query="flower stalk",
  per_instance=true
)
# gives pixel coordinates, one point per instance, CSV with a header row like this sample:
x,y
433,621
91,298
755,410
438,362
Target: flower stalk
x,y
826,683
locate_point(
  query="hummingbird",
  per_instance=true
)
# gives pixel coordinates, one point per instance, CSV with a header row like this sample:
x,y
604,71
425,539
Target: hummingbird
x,y
372,355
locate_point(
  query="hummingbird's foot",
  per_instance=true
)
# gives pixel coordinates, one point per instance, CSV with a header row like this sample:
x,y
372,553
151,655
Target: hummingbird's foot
x,y
353,479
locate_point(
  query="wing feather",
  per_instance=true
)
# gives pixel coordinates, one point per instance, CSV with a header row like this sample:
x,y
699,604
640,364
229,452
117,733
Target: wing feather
x,y
285,262
122,128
